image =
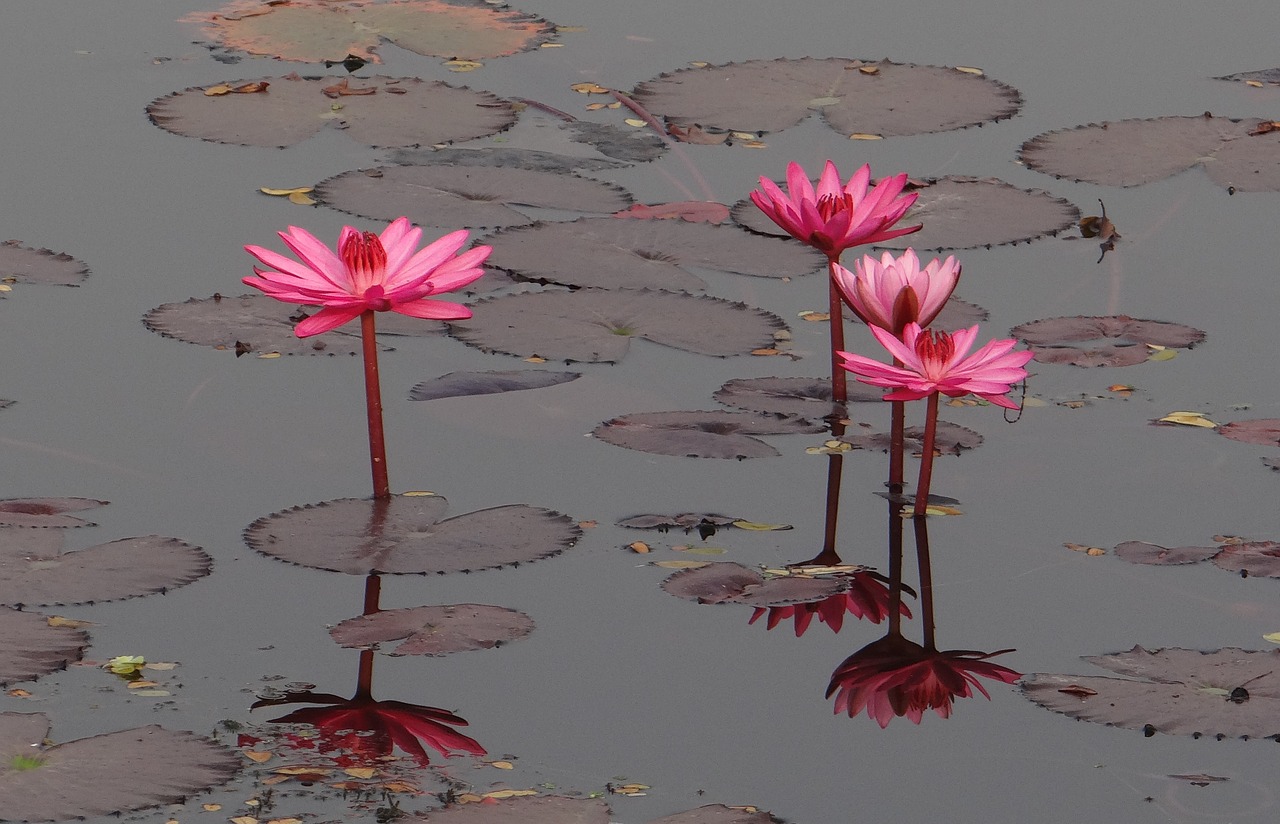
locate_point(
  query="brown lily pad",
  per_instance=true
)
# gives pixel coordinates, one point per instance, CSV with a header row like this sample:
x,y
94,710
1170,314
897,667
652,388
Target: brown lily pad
x,y
1224,693
409,535
687,521
45,512
719,814
597,325
1261,431
1234,152
804,397
459,384
1269,77
23,264
435,630
1258,558
314,31
852,96
1054,340
473,196
950,439
30,647
104,775
730,583
718,434
399,111
1140,552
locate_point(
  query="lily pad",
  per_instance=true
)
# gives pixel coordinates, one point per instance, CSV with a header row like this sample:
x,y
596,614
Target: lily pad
x,y
1259,558
1052,339
104,775
405,535
950,439
435,630
1261,431
544,809
1234,152
460,384
688,521
378,111
853,96
719,814
605,253
314,31
1268,76
474,196
960,213
597,325
1225,693
504,158
23,264
730,583
624,144
45,512
718,434
1140,552
804,397
30,647
35,571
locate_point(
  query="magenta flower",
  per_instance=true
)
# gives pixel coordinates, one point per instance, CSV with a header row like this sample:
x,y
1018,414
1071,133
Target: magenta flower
x,y
833,217
939,362
894,291
369,272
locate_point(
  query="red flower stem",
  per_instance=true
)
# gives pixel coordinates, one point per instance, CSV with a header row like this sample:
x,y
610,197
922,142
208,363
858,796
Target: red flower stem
x,y
835,466
895,569
926,581
839,390
373,402
926,458
897,429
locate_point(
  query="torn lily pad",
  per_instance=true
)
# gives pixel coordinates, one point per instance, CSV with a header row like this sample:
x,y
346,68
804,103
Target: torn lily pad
x,y
1114,340
435,630
1140,552
462,384
1257,558
30,647
718,434
730,583
24,264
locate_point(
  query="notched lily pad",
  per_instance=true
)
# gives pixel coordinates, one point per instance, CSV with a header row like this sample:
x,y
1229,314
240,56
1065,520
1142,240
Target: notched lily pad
x,y
45,512
1140,552
1240,153
409,535
104,775
1258,558
23,264
460,384
1128,339
730,583
853,96
30,647
473,196
596,325
435,630
379,111
950,439
1224,693
804,397
1261,431
315,31
718,434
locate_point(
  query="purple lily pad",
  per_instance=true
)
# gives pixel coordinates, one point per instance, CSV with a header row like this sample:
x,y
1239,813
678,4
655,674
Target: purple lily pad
x,y
719,814
545,809
505,158
400,111
1258,558
460,384
730,583
30,648
852,96
435,630
104,775
1261,431
596,325
1140,552
35,571
405,536
474,196
1224,693
23,264
1052,339
804,397
718,434
1234,152
608,252
950,439
45,512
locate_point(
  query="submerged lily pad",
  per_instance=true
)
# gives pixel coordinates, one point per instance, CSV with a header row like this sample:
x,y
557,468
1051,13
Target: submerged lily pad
x,y
405,535
104,775
1234,152
804,397
853,96
597,325
606,253
730,583
502,158
378,111
460,384
474,196
23,264
30,647
1140,552
435,630
543,809
718,434
1261,431
45,512
950,439
313,31
1051,339
35,571
1259,558
1225,693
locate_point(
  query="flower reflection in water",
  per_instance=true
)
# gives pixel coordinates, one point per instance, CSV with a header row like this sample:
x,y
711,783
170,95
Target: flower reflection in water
x,y
867,597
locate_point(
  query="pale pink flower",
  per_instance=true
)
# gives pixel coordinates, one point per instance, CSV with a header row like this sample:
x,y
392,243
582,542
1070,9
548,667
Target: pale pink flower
x,y
369,272
894,291
836,217
939,362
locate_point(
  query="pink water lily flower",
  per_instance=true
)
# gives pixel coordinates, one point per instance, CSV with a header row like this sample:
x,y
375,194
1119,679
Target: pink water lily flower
x,y
368,272
894,291
939,362
835,217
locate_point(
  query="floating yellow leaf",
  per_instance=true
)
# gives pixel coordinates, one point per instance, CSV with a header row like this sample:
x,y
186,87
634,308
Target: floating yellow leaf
x,y
125,664
551,45
699,64
258,756
272,780
636,122
469,798
754,144
1257,84
864,136
269,355
502,765
1092,551
509,793
819,102
766,352
267,190
638,546
302,199
400,787
535,359
211,808
361,772
588,524
417,493
562,29
1119,387
59,621
1273,637
589,88
936,509
969,70
1188,419
744,135
869,69
285,821
300,769
142,685
1163,355
462,65
755,527
701,550
18,693
814,317
4,287
680,564
244,819
595,107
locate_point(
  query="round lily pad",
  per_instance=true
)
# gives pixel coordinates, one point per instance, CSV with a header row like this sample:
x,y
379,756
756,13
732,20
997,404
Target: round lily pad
x,y
804,397
406,535
30,647
596,325
950,439
473,196
1258,558
104,775
1261,431
24,264
378,111
459,384
730,583
718,434
1240,153
435,630
1140,552
1052,339
853,96
45,512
